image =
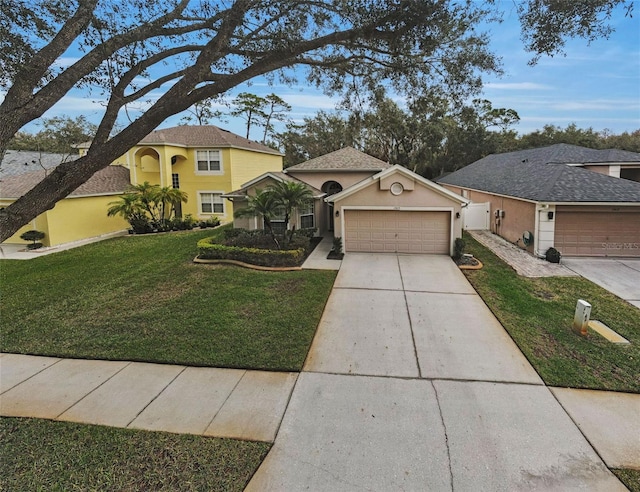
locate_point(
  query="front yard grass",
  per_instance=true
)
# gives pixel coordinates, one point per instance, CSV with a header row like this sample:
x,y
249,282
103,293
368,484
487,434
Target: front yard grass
x,y
141,298
45,455
538,313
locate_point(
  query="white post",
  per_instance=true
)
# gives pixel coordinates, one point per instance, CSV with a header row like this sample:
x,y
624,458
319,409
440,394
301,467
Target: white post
x,y
581,318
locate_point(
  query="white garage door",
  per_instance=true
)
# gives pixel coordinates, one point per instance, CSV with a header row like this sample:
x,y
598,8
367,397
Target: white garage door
x,y
393,231
598,233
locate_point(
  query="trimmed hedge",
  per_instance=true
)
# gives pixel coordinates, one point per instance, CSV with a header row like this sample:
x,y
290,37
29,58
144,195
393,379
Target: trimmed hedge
x,y
209,250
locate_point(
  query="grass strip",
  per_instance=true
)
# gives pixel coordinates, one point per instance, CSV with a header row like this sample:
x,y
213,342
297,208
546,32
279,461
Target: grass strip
x,y
39,455
631,478
142,298
538,313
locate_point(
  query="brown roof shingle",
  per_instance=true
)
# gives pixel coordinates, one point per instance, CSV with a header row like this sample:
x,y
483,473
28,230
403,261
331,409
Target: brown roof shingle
x,y
204,136
347,159
110,180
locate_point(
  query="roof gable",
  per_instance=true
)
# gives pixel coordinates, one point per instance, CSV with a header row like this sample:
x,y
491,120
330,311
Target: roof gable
x,y
396,169
346,159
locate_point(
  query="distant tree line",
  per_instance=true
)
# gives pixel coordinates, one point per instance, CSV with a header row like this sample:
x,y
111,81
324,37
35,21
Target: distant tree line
x,y
430,136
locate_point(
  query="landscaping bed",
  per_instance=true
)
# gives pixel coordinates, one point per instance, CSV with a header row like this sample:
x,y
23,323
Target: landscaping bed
x,y
258,248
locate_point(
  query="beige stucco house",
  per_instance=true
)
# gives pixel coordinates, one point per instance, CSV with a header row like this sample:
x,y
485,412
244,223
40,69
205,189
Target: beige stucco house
x,y
371,205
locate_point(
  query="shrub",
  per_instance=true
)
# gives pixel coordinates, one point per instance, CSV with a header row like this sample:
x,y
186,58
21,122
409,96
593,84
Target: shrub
x,y
337,245
34,236
458,248
140,224
308,232
553,255
207,249
210,222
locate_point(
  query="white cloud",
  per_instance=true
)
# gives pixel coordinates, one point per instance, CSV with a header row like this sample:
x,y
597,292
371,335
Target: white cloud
x,y
518,86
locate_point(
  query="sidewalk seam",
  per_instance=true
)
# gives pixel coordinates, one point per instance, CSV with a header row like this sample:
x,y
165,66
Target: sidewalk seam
x,y
93,390
33,375
184,368
225,401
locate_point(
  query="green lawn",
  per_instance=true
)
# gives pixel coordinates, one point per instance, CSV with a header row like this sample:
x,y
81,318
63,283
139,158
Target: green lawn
x,y
141,298
45,455
538,312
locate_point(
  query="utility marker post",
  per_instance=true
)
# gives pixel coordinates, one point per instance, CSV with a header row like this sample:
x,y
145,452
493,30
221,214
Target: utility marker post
x,y
581,318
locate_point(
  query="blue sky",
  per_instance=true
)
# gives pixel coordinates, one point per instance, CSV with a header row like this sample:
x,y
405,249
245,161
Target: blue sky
x,y
596,85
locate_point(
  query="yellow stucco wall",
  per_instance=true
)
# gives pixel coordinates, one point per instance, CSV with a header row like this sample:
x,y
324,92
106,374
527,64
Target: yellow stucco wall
x,y
38,224
153,164
73,219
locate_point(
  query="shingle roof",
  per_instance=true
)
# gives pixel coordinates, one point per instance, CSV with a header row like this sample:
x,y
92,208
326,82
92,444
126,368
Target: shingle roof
x,y
204,136
542,175
347,159
16,162
251,184
110,180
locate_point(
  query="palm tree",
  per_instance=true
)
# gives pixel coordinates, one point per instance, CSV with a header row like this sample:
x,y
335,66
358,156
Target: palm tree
x,y
126,206
290,195
264,205
169,196
147,195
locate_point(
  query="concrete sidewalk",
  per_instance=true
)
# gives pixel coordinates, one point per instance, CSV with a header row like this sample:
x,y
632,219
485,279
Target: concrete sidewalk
x,y
191,400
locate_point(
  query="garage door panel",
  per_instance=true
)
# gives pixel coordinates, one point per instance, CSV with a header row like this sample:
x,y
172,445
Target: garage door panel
x,y
392,231
613,233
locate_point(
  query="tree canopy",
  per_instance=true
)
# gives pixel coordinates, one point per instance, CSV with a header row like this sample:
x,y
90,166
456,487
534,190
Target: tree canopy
x,y
197,49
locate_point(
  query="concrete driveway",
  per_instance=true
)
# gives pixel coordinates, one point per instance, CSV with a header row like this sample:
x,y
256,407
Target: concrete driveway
x,y
412,384
619,276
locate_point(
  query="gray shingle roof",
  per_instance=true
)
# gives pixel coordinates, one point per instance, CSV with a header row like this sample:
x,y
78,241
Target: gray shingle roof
x,y
543,175
203,136
110,180
16,162
347,159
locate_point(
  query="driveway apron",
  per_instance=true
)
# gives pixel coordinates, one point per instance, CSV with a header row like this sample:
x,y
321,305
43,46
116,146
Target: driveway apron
x,y
412,384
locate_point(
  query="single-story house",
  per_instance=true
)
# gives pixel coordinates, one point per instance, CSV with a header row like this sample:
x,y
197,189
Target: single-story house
x,y
83,214
542,198
371,205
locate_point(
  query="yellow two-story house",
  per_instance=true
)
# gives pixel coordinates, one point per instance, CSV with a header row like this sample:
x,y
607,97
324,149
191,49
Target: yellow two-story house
x,y
203,161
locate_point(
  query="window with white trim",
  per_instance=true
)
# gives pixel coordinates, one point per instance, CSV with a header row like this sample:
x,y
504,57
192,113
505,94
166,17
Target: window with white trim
x,y
306,217
211,203
208,161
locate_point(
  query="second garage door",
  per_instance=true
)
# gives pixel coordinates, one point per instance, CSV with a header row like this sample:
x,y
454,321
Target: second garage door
x,y
612,233
395,231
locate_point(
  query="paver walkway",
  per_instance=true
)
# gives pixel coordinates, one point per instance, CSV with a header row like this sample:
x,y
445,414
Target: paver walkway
x,y
520,260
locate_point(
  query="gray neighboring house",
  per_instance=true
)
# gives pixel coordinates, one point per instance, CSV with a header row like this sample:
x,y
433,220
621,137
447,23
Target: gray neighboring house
x,y
551,196
17,162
